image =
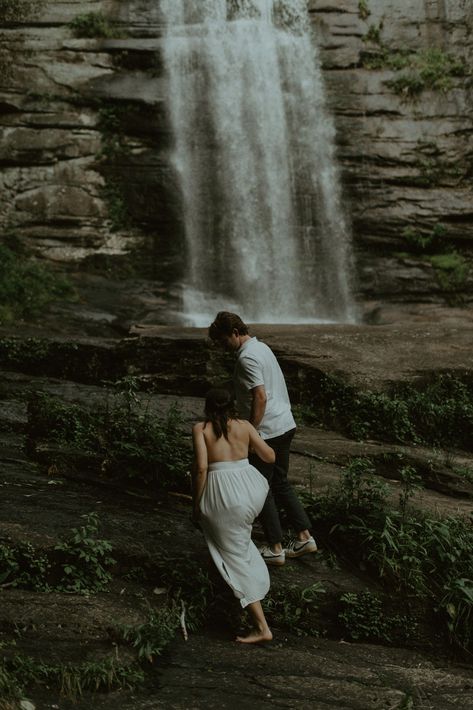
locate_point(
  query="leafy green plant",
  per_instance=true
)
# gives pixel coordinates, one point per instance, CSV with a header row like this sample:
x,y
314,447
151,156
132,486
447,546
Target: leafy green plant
x,y
420,242
409,552
86,559
22,566
374,34
27,287
11,689
293,607
92,25
438,413
410,483
113,153
464,472
384,58
118,212
435,171
428,69
363,9
360,488
78,564
124,438
72,680
452,270
189,582
153,636
364,618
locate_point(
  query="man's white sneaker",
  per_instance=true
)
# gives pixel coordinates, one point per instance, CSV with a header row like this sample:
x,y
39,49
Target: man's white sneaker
x,y
296,548
272,558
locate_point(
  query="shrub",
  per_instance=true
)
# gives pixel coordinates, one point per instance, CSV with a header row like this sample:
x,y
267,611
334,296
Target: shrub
x,y
409,552
85,559
452,270
292,607
81,565
27,287
421,243
72,680
92,25
365,618
429,69
374,34
363,9
124,438
152,637
22,566
439,413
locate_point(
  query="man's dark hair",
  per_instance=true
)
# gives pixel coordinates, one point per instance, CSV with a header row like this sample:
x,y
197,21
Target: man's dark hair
x,y
225,323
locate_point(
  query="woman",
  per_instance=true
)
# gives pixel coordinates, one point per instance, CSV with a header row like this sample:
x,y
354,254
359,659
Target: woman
x,y
228,493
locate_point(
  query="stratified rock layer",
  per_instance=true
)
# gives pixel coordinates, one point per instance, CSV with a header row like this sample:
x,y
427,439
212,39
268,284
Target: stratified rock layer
x,y
85,148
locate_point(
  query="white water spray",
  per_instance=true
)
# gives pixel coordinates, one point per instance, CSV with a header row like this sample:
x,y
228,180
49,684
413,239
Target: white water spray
x,y
254,152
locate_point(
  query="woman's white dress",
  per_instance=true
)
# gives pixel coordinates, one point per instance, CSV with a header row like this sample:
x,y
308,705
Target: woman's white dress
x,y
233,497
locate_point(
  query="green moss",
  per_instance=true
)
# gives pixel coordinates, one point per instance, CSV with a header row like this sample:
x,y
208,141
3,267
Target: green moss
x,y
92,25
374,34
118,213
435,171
452,271
420,242
363,9
429,69
12,11
114,152
27,287
384,58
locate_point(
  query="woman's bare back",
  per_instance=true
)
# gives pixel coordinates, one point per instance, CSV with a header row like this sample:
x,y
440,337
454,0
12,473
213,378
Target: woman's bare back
x,y
231,449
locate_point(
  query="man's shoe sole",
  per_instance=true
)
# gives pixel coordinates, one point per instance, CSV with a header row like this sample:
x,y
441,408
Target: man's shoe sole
x,y
305,550
274,561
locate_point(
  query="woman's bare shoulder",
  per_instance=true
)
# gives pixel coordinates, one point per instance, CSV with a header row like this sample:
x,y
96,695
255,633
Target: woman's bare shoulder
x,y
245,425
198,427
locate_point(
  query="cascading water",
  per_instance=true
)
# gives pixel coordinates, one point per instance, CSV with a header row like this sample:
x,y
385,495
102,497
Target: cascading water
x,y
254,152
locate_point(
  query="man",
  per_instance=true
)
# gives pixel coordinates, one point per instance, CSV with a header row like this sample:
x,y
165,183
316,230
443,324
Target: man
x,y
262,397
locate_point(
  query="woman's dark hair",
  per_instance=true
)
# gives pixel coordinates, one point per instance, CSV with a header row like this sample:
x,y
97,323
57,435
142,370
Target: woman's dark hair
x,y
219,408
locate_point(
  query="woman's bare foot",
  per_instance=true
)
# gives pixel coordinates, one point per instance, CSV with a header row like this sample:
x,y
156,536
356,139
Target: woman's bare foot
x,y
256,637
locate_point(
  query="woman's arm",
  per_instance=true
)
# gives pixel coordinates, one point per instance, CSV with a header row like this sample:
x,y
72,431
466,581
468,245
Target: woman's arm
x,y
199,467
259,446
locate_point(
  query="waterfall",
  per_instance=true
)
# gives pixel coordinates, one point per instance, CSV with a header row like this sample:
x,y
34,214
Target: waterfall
x,y
254,153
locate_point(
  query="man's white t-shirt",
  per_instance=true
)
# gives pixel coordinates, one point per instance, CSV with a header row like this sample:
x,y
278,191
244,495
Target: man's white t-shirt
x,y
257,365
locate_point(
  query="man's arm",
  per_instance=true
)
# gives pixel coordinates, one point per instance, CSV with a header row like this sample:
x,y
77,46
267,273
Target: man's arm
x,y
258,405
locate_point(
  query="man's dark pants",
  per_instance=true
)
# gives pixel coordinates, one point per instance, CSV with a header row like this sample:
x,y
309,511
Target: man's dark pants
x,y
281,494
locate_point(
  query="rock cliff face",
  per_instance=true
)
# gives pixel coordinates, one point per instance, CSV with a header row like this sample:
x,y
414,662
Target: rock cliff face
x,y
406,155
85,144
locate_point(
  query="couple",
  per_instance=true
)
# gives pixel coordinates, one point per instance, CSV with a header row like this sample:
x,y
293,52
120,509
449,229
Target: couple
x,y
231,488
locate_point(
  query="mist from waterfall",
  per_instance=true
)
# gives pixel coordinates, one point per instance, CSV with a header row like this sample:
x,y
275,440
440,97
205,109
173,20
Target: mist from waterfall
x,y
254,153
